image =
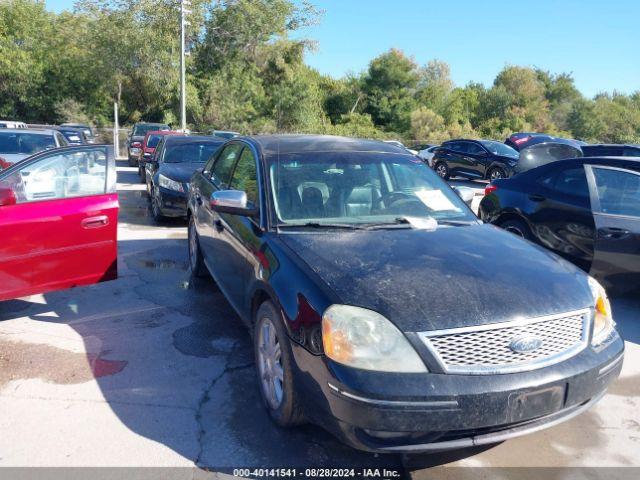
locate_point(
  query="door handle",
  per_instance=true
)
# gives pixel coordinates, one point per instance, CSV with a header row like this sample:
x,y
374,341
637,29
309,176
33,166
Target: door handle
x,y
95,222
613,233
536,198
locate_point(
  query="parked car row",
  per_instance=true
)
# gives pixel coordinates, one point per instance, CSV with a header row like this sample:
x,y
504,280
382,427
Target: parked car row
x,y
18,141
329,248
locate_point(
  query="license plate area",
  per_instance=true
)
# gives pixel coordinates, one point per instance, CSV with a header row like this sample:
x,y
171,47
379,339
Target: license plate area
x,y
536,403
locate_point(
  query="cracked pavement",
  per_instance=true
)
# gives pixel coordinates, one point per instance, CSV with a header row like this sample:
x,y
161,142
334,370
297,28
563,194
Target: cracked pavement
x,y
155,369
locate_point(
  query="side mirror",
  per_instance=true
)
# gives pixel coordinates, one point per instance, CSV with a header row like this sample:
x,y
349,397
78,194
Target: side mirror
x,y
7,197
466,194
233,202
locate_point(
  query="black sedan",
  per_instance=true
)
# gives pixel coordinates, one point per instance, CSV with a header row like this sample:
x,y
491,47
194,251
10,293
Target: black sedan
x,y
586,210
169,171
474,159
346,259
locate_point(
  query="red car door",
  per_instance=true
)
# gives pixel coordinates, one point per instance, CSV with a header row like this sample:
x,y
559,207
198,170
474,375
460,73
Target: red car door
x,y
58,221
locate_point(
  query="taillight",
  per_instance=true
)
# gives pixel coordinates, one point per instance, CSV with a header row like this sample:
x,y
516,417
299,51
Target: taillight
x,y
518,141
136,144
4,164
490,189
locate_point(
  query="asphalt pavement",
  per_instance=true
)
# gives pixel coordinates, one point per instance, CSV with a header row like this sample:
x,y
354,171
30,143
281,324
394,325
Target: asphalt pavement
x,y
155,369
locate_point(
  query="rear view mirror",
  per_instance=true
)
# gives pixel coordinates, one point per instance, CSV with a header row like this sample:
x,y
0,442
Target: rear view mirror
x,y
7,197
233,202
465,193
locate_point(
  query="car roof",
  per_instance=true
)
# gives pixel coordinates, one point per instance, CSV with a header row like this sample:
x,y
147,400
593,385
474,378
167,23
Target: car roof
x,y
163,132
193,139
37,131
289,144
632,145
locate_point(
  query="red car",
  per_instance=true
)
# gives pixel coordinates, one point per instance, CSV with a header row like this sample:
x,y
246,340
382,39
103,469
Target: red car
x,y
149,144
58,221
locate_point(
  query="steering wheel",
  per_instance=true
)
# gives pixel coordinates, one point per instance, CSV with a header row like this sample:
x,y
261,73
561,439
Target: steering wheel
x,y
388,199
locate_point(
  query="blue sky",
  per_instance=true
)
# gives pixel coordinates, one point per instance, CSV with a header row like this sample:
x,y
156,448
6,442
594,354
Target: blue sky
x,y
597,41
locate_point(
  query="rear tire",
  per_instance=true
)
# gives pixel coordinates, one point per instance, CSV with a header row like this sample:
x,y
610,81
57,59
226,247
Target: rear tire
x,y
274,366
196,261
517,227
442,169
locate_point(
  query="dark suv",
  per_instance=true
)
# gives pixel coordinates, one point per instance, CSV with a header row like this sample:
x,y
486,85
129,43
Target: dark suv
x,y
475,159
134,145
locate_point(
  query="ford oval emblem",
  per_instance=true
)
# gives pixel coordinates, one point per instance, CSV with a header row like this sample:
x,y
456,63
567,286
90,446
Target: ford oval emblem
x,y
525,344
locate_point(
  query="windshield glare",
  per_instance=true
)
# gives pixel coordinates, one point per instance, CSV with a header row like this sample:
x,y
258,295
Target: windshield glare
x,y
498,148
359,188
190,152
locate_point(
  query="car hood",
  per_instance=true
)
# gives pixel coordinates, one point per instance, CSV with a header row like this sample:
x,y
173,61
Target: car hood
x,y
451,277
180,172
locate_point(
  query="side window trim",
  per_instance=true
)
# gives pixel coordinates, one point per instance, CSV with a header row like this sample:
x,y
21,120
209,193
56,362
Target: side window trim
x,y
596,207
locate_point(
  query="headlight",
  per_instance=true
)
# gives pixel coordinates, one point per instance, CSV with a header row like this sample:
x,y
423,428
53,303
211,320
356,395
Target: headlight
x,y
365,339
170,184
603,320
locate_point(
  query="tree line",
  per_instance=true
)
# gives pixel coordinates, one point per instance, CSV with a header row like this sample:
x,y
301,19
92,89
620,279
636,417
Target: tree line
x,y
246,72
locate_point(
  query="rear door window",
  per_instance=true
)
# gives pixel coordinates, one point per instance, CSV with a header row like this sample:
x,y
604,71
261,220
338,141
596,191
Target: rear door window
x,y
617,190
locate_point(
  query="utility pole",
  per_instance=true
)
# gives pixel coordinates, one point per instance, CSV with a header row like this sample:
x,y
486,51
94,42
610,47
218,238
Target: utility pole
x,y
116,132
183,88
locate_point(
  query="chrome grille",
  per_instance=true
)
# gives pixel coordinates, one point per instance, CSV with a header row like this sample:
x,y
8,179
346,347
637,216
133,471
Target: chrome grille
x,y
488,348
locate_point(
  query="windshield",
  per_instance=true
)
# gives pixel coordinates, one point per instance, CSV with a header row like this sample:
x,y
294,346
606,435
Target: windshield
x,y
142,130
153,140
25,143
190,152
359,188
498,148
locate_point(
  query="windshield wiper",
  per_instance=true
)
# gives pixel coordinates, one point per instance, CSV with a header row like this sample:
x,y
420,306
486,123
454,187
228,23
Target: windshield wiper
x,y
445,221
345,226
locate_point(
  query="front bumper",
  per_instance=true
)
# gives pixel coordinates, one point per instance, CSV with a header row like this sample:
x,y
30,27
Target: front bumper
x,y
413,413
172,203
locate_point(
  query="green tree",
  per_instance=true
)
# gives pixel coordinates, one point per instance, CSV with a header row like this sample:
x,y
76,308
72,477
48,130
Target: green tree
x,y
390,86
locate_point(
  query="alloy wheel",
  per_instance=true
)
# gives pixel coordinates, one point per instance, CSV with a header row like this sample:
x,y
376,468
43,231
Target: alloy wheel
x,y
496,174
270,363
441,170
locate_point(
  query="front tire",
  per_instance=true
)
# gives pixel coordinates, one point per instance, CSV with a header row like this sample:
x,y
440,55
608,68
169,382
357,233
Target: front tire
x,y
442,170
274,362
156,211
196,261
